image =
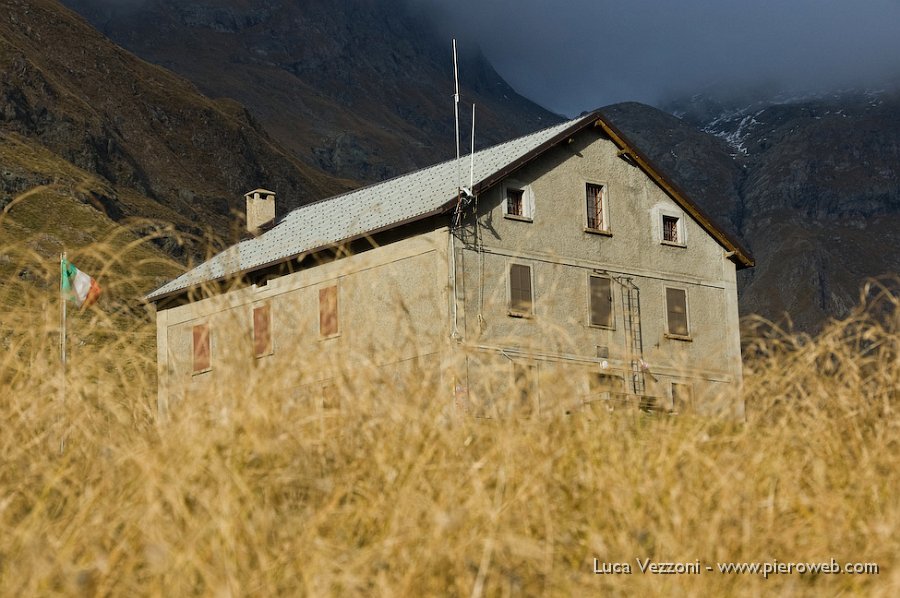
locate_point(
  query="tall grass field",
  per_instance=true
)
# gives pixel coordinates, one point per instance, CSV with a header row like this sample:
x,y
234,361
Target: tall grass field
x,y
245,494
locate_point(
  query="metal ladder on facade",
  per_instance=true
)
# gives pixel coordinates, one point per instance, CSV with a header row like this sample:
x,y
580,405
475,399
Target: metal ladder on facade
x,y
631,306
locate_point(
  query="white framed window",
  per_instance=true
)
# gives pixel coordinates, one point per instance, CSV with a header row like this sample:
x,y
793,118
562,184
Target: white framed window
x,y
677,320
670,227
518,201
596,202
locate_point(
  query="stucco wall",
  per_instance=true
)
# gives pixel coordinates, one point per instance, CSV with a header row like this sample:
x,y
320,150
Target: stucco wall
x,y
393,307
562,256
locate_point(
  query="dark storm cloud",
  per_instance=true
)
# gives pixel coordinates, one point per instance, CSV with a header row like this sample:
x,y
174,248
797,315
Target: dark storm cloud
x,y
579,54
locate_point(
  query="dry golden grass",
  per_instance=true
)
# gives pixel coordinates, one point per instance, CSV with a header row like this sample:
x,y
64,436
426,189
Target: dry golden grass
x,y
238,495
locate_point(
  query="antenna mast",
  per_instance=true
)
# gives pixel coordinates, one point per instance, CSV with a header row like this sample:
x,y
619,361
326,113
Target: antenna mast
x,y
472,154
456,108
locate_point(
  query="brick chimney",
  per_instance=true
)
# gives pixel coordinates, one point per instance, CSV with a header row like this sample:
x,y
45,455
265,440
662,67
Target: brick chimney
x,y
260,210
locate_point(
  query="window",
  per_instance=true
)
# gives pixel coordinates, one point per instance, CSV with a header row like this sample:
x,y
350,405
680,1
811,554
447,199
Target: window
x,y
330,397
682,396
601,301
202,361
515,202
520,298
596,207
676,311
262,330
518,202
328,312
670,229
524,379
600,382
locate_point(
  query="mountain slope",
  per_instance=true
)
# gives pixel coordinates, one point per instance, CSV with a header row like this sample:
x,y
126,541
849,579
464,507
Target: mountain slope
x,y
813,186
360,88
158,146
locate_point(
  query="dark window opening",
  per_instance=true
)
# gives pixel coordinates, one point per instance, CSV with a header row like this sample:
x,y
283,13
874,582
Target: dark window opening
x,y
676,308
595,219
600,382
515,202
520,297
670,229
601,301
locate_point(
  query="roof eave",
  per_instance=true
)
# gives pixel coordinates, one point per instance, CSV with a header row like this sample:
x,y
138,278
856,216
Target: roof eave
x,y
153,297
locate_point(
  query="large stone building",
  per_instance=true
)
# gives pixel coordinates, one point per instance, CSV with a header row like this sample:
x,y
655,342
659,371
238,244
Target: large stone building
x,y
570,258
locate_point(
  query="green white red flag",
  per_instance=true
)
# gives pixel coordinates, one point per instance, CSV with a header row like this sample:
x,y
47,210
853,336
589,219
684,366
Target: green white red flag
x,y
78,286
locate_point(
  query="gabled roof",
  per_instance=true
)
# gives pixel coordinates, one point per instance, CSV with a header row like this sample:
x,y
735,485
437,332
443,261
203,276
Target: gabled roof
x,y
404,199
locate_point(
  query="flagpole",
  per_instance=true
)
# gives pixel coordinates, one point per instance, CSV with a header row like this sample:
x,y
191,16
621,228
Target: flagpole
x,y
62,303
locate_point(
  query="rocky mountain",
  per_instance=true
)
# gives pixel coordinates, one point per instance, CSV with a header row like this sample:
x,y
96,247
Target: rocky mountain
x,y
812,185
95,124
359,88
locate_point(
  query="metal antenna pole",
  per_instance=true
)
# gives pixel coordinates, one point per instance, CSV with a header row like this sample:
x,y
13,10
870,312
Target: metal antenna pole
x,y
456,107
472,155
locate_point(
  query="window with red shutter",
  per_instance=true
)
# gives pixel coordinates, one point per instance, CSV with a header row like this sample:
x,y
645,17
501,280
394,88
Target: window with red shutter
x,y
328,312
262,330
202,361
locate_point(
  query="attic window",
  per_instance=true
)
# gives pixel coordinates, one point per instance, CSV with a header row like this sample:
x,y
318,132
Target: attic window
x,y
595,196
515,202
519,203
670,229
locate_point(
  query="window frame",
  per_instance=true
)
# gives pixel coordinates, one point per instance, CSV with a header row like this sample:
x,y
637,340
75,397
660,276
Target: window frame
x,y
512,312
337,310
594,389
687,313
604,209
270,347
195,371
526,396
689,404
590,299
680,232
527,201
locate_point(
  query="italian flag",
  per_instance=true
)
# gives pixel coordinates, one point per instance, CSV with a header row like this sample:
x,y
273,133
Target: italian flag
x,y
78,286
